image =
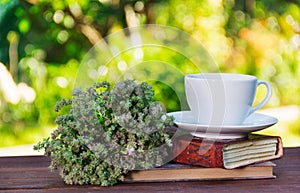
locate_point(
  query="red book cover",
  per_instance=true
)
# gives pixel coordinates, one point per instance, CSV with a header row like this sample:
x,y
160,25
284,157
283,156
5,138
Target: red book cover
x,y
227,154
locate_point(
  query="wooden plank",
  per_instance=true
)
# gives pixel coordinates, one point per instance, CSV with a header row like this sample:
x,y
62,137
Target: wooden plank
x,y
30,174
24,161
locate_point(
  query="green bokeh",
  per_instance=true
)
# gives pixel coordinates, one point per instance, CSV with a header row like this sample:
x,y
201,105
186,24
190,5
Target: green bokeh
x,y
43,43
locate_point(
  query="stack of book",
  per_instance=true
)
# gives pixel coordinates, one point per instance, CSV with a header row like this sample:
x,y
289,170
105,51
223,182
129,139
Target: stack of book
x,y
205,159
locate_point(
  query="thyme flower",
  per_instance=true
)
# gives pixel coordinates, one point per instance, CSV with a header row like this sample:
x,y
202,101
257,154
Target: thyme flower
x,y
108,133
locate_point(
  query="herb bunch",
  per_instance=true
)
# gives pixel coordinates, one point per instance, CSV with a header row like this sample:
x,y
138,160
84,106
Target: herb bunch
x,y
108,132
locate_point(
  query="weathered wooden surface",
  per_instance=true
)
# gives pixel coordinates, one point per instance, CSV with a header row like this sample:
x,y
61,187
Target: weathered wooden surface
x,y
31,174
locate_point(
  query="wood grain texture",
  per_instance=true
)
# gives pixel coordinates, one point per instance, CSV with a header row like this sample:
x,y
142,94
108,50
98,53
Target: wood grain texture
x,y
31,174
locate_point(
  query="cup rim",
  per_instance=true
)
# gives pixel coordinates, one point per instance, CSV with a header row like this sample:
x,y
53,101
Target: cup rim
x,y
221,77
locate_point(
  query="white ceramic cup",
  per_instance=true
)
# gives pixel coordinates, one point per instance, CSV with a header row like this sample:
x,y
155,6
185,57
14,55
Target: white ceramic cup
x,y
223,99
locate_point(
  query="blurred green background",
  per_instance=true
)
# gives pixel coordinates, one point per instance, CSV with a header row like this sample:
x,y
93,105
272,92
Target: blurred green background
x,y
42,43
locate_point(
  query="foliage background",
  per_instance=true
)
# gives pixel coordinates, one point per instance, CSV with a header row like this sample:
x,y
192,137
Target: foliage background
x,y
42,43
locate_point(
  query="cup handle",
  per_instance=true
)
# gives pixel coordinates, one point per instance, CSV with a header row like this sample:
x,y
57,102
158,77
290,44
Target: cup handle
x,y
266,99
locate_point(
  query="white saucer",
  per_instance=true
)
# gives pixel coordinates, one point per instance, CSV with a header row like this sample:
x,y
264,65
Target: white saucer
x,y
255,122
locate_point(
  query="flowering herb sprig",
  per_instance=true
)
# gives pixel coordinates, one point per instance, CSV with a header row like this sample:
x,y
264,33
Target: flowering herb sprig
x,y
108,132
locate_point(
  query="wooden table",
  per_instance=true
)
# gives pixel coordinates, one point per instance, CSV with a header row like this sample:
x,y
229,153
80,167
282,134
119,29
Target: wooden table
x,y
31,174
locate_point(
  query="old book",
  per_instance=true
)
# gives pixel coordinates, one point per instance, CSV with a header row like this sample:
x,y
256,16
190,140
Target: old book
x,y
182,172
227,154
